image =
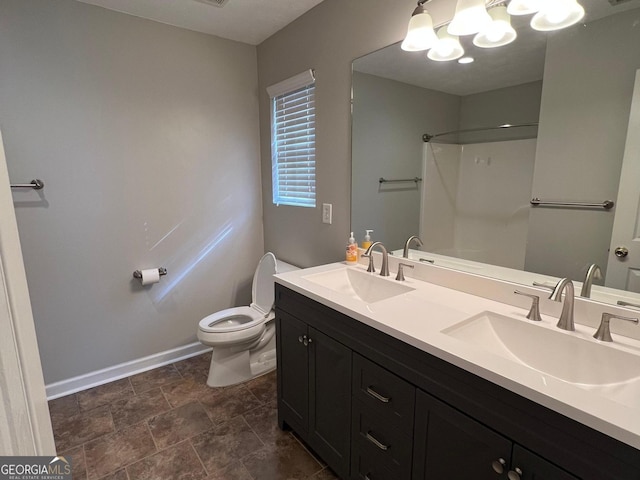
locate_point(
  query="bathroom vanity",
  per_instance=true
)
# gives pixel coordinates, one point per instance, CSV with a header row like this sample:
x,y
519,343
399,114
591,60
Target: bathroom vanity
x,y
384,381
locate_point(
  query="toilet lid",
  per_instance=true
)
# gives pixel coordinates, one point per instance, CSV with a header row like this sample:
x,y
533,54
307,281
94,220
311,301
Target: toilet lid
x,y
262,289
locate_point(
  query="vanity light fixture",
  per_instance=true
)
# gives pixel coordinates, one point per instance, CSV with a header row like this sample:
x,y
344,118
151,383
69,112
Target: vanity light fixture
x,y
465,60
447,48
499,32
489,20
557,14
420,33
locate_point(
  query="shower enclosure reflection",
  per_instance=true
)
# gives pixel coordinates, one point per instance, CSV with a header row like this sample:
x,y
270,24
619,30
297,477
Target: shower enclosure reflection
x,y
472,208
476,197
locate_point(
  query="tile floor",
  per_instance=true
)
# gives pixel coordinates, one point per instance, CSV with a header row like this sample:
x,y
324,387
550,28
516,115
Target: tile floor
x,y
167,424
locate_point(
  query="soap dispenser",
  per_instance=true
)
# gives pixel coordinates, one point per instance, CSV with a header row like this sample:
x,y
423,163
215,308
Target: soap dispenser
x,y
366,243
352,251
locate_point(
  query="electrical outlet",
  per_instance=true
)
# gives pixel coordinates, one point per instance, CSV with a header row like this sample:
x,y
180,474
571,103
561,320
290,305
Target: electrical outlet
x,y
327,216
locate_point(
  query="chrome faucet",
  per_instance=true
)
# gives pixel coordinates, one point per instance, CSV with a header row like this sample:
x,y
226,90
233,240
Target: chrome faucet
x,y
565,322
405,252
604,333
593,272
384,269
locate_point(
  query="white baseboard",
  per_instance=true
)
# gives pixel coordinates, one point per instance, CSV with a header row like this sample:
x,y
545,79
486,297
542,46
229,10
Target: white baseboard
x,y
123,370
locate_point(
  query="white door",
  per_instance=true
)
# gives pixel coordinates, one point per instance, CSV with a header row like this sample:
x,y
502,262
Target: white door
x,y
25,426
623,269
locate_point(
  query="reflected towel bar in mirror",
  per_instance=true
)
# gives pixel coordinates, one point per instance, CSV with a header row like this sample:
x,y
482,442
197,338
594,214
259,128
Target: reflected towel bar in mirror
x,y
622,303
36,184
399,180
607,204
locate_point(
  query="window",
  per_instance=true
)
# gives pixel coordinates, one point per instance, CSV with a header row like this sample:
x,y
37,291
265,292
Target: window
x,y
293,141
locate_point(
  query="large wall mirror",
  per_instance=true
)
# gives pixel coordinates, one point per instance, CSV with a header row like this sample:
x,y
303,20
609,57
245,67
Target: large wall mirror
x,y
572,98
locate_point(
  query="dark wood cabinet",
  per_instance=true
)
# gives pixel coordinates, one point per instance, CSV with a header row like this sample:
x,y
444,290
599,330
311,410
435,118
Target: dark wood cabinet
x,y
374,408
383,408
449,444
529,466
293,373
314,390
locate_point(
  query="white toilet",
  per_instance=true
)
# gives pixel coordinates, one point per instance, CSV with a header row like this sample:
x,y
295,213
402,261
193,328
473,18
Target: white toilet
x,y
244,338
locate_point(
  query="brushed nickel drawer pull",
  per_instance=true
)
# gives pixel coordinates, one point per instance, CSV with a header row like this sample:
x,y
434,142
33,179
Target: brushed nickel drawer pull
x,y
377,443
377,396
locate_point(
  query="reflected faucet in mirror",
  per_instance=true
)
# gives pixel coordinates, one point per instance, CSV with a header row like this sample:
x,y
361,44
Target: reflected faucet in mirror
x,y
407,244
593,272
384,269
565,322
477,183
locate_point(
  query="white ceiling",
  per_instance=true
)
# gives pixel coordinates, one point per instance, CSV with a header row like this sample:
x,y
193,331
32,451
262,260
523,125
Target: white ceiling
x,y
247,21
514,64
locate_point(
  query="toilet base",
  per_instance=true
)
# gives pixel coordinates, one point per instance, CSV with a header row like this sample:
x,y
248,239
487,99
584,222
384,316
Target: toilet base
x,y
229,366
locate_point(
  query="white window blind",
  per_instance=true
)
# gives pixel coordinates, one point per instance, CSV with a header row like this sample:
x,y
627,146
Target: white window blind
x,y
293,141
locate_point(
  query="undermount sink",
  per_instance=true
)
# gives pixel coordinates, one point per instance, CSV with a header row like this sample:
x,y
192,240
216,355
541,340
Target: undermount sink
x,y
360,285
556,353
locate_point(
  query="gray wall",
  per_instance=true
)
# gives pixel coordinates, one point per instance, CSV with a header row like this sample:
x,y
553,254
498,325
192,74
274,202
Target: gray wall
x,y
586,99
327,38
147,138
389,119
515,105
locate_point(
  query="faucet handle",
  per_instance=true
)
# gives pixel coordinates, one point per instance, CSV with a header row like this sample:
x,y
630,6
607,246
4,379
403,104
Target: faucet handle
x,y
604,333
534,311
400,276
543,285
371,267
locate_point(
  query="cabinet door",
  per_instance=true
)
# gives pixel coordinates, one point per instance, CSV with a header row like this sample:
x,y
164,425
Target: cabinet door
x,y
528,466
450,445
330,400
293,373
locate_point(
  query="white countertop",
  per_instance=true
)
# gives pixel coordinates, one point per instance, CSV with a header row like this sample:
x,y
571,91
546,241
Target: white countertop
x,y
419,316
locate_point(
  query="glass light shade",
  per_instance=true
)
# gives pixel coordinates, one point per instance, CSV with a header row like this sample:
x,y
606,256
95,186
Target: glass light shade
x,y
523,7
499,32
420,34
557,14
447,48
471,17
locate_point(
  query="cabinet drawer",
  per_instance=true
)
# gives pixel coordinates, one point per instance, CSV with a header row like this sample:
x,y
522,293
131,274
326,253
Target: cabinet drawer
x,y
367,467
381,441
378,388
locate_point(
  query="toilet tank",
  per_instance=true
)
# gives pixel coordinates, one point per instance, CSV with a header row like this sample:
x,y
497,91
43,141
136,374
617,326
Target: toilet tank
x,y
283,267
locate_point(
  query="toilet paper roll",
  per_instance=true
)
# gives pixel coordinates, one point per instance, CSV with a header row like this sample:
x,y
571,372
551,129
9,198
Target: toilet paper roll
x,y
150,276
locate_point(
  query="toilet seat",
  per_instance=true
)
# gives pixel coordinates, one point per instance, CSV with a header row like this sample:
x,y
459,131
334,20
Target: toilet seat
x,y
242,324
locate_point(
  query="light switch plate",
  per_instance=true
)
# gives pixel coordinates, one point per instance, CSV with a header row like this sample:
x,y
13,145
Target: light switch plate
x,y
327,215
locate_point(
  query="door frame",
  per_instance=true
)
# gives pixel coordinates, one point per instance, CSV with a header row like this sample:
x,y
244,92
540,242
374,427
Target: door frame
x,y
25,425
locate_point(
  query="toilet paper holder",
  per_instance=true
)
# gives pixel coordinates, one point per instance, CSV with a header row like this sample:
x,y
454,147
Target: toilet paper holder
x,y
138,274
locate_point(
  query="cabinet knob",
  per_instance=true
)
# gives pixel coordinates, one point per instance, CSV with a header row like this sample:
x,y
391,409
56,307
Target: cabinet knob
x,y
515,474
498,465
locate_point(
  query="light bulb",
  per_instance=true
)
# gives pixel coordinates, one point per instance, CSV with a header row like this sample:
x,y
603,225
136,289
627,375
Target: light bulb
x,y
447,48
471,17
420,33
499,32
557,14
